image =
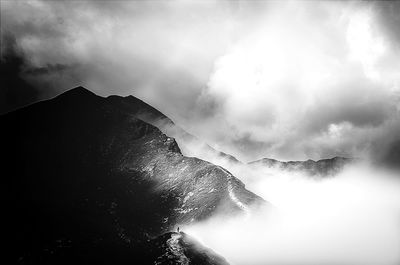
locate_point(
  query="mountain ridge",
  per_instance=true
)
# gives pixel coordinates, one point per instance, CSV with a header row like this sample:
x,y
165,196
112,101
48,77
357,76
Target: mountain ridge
x,y
84,172
322,167
186,140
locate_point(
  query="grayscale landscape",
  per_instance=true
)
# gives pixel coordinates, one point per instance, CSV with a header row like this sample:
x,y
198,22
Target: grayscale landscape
x,y
200,132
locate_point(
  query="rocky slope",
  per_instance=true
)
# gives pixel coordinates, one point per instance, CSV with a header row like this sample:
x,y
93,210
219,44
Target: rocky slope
x,y
323,167
180,249
86,181
190,145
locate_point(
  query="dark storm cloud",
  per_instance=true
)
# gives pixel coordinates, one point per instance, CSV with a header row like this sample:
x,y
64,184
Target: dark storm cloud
x,y
15,92
160,51
392,156
362,105
389,19
48,69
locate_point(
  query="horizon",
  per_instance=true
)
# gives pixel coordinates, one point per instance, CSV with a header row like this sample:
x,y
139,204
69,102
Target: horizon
x,y
246,162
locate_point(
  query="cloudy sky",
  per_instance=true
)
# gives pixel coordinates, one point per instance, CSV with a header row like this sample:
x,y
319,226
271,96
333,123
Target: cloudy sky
x,y
287,80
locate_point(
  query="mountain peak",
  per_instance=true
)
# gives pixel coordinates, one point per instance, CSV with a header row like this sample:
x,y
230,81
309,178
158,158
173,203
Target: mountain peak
x,y
79,91
103,178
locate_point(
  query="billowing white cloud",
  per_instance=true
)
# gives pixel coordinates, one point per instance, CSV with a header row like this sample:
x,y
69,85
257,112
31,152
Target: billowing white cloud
x,y
291,80
298,79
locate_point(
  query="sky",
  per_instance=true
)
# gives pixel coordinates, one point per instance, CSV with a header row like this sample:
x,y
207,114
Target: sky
x,y
280,79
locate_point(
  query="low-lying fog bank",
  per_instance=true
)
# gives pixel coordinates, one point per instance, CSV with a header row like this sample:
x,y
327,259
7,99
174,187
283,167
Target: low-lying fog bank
x,y
352,218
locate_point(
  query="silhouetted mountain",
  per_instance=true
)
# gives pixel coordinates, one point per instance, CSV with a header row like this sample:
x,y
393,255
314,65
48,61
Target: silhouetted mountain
x,y
86,181
323,167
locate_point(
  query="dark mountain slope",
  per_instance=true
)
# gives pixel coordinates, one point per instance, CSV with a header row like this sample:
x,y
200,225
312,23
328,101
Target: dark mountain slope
x,y
85,181
190,144
323,167
179,248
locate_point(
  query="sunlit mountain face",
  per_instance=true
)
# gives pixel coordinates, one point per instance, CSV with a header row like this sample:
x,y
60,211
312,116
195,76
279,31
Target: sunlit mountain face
x,y
201,132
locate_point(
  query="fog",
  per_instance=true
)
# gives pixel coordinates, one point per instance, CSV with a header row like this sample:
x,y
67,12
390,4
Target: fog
x,y
352,218
349,218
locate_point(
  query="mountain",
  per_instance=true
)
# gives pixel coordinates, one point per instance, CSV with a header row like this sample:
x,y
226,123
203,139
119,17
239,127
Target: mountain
x,y
179,248
323,167
86,181
189,144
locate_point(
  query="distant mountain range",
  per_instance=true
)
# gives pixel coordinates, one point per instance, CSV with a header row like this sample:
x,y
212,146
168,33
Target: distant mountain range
x,y
204,151
89,180
323,167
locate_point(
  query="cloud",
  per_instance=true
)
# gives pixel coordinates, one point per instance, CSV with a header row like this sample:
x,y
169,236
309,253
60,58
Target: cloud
x,y
15,92
296,76
153,50
290,80
349,219
388,20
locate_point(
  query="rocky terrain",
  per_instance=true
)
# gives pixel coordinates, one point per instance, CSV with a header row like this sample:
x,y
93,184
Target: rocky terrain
x,y
179,248
189,144
323,167
86,181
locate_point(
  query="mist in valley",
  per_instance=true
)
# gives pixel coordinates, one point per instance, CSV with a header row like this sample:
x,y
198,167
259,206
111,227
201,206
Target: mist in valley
x,y
350,218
